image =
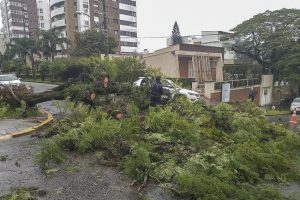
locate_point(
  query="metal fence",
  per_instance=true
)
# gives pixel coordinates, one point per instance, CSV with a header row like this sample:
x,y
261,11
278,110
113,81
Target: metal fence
x,y
238,83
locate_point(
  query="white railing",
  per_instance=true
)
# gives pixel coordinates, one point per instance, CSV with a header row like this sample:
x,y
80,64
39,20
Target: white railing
x,y
58,11
52,2
59,23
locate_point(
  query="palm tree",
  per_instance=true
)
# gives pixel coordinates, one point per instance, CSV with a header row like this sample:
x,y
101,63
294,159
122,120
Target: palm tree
x,y
22,48
48,41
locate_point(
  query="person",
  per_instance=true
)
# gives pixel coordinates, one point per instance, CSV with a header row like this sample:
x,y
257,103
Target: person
x,y
252,94
156,92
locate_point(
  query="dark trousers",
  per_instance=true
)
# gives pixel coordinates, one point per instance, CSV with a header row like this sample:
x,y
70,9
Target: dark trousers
x,y
155,101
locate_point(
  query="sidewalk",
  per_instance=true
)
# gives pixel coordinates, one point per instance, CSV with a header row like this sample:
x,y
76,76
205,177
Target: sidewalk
x,y
8,126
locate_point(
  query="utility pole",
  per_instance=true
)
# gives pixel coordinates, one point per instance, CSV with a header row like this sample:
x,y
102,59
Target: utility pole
x,y
105,27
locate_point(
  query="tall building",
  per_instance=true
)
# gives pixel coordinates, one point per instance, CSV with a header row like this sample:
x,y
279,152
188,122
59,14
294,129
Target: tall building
x,y
115,17
19,18
43,12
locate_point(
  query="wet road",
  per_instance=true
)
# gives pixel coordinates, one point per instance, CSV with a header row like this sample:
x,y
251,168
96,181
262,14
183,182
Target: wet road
x,y
18,168
40,87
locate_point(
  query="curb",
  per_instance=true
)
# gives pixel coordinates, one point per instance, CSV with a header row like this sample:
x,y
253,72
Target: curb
x,y
28,130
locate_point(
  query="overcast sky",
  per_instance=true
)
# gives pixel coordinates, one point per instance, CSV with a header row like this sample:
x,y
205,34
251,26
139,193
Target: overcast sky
x,y
156,17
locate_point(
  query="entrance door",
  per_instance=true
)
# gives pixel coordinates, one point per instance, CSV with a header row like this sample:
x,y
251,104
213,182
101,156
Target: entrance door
x,y
265,98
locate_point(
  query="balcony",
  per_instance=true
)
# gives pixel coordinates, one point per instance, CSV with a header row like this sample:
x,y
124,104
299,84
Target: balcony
x,y
59,23
57,11
53,2
62,34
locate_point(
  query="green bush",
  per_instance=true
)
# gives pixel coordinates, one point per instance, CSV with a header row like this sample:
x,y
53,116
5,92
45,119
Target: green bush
x,y
138,164
200,152
50,152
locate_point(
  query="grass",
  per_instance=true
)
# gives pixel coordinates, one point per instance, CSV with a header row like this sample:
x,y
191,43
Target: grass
x,y
38,80
277,112
23,193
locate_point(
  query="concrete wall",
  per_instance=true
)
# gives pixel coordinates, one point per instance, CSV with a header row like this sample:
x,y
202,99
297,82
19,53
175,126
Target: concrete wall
x,y
167,63
237,95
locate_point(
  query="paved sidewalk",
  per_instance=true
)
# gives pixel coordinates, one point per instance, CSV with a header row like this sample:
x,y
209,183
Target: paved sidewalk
x,y
13,125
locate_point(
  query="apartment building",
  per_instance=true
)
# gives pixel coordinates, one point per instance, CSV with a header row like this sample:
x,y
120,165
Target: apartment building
x,y
43,12
115,17
19,18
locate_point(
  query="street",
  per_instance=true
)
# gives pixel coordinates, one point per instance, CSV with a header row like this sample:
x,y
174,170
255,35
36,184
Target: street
x,y
40,87
77,178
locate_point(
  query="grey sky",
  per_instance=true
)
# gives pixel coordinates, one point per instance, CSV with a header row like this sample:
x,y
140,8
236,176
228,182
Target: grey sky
x,y
156,17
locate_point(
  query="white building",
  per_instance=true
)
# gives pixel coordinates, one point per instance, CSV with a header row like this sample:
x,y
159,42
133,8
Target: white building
x,y
128,26
43,12
213,38
209,38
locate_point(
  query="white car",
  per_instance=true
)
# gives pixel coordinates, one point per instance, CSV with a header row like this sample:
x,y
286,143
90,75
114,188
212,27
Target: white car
x,y
9,79
295,105
173,88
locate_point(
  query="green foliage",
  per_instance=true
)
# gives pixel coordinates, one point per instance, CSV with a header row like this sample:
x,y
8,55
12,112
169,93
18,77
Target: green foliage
x,y
176,37
266,38
92,42
8,112
23,193
200,152
50,152
138,164
92,69
48,42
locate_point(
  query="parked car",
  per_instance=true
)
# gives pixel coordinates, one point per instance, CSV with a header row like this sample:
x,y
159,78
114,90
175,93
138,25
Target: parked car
x,y
171,87
9,79
295,105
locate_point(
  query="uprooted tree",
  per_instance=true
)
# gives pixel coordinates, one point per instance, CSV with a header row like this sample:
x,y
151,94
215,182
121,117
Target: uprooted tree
x,y
83,77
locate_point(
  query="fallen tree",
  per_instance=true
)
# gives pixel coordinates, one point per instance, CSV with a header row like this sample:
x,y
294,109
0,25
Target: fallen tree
x,y
14,96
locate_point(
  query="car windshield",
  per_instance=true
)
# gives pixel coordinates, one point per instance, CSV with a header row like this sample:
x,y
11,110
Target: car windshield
x,y
297,100
8,78
168,83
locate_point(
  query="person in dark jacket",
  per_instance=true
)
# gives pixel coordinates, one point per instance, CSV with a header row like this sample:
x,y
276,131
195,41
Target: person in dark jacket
x,y
156,92
252,95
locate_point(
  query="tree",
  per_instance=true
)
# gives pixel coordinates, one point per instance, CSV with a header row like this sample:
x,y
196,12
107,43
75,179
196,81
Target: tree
x,y
266,37
289,66
92,42
22,48
176,37
48,41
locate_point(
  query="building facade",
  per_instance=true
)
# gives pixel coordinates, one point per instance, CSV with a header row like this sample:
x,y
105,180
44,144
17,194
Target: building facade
x,y
115,17
19,18
43,12
202,63
209,38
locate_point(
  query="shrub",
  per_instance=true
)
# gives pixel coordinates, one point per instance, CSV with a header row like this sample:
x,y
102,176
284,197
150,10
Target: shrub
x,y
138,165
50,152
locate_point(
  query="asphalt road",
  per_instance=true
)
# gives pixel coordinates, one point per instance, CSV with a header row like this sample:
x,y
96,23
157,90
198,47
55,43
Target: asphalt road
x,y
40,87
285,119
18,168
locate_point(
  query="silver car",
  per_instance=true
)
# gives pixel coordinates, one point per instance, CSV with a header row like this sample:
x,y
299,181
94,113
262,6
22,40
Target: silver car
x,y
295,105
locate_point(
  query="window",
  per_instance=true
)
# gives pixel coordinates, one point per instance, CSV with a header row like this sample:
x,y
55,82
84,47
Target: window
x,y
42,25
116,32
41,11
191,69
41,17
116,21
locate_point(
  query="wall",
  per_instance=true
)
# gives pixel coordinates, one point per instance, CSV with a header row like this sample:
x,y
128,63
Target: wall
x,y
184,67
166,62
237,95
